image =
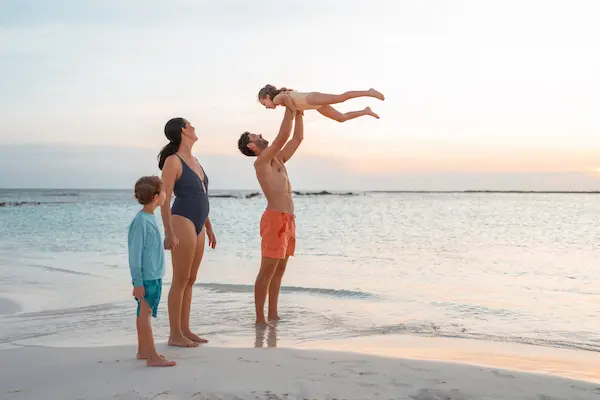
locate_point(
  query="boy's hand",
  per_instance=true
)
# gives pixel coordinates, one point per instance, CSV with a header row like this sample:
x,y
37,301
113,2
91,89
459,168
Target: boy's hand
x,y
139,292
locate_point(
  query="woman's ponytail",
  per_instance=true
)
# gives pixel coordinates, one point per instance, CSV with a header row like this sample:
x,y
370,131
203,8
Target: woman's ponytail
x,y
173,130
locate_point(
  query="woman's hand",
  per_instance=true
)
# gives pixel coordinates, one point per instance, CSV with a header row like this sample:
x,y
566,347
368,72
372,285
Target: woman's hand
x,y
212,239
171,242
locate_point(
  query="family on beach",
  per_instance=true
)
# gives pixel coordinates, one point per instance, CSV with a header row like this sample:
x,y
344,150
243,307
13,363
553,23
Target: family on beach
x,y
187,223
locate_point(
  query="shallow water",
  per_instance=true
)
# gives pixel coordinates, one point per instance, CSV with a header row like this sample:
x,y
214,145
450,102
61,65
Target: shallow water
x,y
505,267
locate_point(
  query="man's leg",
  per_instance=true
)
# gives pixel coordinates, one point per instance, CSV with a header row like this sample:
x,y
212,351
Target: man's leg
x,y
274,289
261,286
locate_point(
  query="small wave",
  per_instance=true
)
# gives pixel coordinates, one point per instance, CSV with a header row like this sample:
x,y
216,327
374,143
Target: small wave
x,y
460,332
232,288
55,269
64,194
29,203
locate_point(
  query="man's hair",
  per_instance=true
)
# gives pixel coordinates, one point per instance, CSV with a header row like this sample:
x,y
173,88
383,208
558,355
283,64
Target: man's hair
x,y
243,145
146,188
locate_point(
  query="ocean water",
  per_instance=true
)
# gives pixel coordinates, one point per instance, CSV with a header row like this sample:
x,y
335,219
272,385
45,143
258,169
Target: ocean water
x,y
501,267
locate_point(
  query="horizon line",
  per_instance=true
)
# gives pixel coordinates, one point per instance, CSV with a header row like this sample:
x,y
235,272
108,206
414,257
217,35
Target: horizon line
x,y
341,191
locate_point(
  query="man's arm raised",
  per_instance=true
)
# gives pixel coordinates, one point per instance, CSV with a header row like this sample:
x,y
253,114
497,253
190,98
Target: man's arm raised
x,y
291,146
284,134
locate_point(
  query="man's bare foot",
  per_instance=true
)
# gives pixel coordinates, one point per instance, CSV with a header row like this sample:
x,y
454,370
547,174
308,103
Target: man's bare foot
x,y
141,356
370,112
157,361
273,318
376,94
263,324
195,338
182,342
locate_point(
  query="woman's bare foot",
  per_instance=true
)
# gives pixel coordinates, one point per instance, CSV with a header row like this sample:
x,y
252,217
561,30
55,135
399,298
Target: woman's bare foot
x,y
376,94
370,112
182,342
158,361
194,338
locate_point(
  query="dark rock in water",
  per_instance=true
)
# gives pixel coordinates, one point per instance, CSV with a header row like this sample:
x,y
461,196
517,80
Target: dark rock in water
x,y
323,193
19,203
223,196
251,195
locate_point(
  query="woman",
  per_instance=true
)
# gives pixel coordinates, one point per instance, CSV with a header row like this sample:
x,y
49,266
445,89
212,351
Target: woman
x,y
186,224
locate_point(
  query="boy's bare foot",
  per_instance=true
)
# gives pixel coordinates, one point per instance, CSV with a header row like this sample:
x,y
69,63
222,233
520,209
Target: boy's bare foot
x,y
182,342
370,112
157,361
194,338
141,356
376,94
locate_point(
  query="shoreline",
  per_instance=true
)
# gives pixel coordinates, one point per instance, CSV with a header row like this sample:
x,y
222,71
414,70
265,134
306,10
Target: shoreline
x,y
212,372
525,358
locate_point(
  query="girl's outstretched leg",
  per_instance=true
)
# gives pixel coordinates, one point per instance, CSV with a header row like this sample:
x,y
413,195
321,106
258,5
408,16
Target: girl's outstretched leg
x,y
322,99
334,114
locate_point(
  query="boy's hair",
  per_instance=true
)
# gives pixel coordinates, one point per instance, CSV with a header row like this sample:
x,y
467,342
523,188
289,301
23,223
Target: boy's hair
x,y
146,188
243,145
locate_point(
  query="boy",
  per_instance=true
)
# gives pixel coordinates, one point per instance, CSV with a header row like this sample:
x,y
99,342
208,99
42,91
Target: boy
x,y
147,265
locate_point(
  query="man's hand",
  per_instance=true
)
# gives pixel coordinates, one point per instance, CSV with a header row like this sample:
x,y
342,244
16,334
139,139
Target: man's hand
x,y
139,292
289,103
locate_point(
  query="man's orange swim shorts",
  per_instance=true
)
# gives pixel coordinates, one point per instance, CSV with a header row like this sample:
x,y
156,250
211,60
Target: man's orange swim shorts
x,y
278,233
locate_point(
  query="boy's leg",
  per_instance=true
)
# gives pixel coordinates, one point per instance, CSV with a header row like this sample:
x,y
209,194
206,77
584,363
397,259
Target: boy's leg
x,y
146,338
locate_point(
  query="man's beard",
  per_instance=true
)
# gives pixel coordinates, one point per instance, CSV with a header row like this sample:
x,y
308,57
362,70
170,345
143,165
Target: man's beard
x,y
264,143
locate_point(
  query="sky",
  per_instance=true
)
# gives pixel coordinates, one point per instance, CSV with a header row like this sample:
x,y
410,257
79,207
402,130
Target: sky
x,y
479,94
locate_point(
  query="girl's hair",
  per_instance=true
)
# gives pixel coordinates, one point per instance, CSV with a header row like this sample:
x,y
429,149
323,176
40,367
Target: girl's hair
x,y
173,130
270,90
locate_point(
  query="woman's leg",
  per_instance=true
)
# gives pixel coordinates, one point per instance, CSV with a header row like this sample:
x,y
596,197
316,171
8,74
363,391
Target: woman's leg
x,y
187,294
323,99
334,114
182,256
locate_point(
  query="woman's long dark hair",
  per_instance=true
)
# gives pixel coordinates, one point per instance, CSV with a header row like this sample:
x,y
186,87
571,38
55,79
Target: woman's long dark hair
x,y
173,130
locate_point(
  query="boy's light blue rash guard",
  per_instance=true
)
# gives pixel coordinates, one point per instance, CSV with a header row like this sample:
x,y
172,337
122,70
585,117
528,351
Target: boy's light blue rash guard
x,y
146,255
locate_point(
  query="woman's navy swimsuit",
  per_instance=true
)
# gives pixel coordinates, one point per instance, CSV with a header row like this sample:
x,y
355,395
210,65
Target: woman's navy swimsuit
x,y
191,200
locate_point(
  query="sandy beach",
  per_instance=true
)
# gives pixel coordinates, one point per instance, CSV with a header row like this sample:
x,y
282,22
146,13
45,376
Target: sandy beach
x,y
264,373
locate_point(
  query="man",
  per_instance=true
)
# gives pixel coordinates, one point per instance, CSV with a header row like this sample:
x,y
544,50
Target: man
x,y
277,225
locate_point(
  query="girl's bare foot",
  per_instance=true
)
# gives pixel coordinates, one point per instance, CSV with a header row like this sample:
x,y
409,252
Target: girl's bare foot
x,y
194,338
376,94
157,361
370,112
182,342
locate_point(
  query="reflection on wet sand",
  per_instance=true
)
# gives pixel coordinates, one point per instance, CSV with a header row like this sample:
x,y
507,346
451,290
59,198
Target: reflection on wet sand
x,y
265,332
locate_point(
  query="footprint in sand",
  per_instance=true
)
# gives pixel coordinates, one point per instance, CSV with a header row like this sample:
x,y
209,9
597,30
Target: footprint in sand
x,y
502,374
428,394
